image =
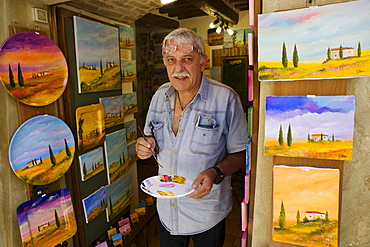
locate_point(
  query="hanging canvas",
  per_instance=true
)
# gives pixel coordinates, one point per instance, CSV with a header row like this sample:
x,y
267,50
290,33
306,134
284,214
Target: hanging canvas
x,y
126,37
47,220
128,70
113,110
241,37
41,150
329,41
90,126
94,204
131,130
306,205
311,127
116,155
131,151
215,38
120,194
91,163
129,103
33,69
97,56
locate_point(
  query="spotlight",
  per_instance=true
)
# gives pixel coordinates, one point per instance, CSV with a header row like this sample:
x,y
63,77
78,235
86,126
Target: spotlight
x,y
218,30
214,23
230,31
167,1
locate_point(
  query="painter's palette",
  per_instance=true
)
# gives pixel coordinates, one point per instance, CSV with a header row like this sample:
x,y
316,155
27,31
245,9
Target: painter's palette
x,y
167,186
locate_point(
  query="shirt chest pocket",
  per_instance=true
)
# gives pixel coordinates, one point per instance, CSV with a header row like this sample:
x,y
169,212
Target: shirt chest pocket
x,y
157,129
206,136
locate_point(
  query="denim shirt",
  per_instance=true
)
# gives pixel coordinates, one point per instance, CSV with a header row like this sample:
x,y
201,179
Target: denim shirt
x,y
212,125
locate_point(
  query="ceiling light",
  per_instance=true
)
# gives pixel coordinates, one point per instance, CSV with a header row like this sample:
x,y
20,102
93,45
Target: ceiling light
x,y
218,30
214,23
230,31
167,1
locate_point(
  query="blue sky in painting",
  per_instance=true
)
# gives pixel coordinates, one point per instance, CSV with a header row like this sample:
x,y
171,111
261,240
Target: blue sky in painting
x,y
94,156
129,98
112,104
94,200
95,41
126,32
115,146
33,137
116,190
314,30
320,114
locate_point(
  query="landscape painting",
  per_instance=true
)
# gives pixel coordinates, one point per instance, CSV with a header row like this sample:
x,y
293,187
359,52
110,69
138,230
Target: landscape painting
x,y
126,37
131,130
91,163
116,155
90,126
306,205
330,41
41,150
97,56
131,150
129,103
47,220
33,69
95,204
113,110
128,70
318,127
120,194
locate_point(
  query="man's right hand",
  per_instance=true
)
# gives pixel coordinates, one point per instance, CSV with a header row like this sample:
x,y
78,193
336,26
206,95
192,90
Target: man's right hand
x,y
144,148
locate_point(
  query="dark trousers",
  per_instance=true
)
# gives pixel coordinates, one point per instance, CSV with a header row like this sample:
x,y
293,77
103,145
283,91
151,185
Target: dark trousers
x,y
214,237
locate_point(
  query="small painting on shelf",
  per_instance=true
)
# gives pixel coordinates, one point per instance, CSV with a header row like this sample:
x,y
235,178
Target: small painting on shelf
x,y
129,103
126,37
128,70
131,130
113,110
90,126
91,163
318,127
131,150
95,204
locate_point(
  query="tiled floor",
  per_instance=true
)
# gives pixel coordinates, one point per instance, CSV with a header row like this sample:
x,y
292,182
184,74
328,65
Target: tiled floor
x,y
233,221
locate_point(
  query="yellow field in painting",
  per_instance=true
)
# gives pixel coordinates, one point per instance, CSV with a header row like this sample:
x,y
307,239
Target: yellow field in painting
x,y
348,67
308,234
338,150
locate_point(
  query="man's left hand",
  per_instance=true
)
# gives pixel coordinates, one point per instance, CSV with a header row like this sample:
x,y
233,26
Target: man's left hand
x,y
203,184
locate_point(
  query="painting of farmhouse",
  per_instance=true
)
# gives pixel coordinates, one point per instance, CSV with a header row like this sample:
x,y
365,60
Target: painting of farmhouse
x,y
90,126
131,130
330,41
120,194
41,150
116,155
126,37
33,69
129,103
311,127
95,204
306,205
128,70
91,163
113,110
47,220
97,56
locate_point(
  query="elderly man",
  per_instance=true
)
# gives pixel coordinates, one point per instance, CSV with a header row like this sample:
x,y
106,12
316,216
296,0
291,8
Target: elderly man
x,y
197,128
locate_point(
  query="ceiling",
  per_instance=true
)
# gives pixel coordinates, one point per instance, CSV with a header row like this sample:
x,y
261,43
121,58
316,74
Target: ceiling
x,y
128,11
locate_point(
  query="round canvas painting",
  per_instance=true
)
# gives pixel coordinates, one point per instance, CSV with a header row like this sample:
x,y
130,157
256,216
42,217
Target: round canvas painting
x,y
33,69
41,150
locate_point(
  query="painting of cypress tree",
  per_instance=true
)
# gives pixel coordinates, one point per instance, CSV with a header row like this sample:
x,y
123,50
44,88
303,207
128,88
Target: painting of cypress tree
x,y
91,163
33,69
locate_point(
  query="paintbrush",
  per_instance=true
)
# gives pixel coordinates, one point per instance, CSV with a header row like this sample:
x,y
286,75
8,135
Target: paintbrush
x,y
153,153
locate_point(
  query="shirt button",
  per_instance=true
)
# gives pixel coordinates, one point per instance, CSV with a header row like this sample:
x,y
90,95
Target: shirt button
x,y
173,205
175,152
169,112
173,171
180,131
187,111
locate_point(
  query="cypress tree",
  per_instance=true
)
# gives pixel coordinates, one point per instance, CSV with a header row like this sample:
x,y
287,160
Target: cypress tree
x,y
20,76
68,152
359,49
289,136
84,169
101,68
52,157
298,217
11,77
332,137
328,54
57,222
284,57
282,217
340,52
327,216
295,56
281,138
